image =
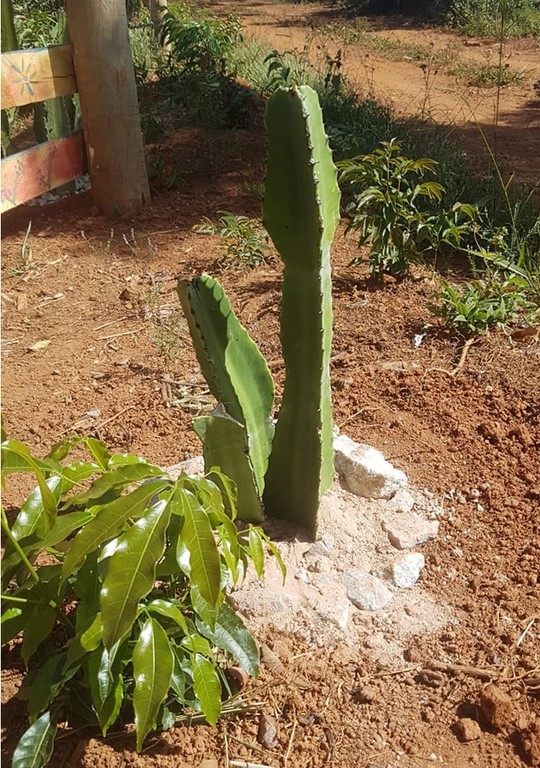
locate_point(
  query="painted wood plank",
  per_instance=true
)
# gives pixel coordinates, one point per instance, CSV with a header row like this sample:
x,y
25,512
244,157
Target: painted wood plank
x,y
37,74
46,166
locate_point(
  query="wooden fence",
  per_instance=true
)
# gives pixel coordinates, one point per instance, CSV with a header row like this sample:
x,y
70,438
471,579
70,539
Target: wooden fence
x,y
27,77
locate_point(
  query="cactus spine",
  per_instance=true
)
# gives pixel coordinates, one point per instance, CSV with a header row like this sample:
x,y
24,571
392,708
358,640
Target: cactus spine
x,y
292,468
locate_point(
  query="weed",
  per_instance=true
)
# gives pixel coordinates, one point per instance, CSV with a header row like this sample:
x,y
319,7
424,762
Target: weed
x,y
475,306
247,243
484,18
167,327
488,75
26,263
165,175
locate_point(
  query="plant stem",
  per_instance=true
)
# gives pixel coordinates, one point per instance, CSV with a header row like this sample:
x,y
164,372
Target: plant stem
x,y
5,526
24,600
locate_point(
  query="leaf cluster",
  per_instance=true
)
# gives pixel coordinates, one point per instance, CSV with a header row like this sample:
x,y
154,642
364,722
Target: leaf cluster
x,y
115,575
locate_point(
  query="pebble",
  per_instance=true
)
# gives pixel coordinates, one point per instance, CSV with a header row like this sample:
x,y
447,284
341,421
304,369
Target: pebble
x,y
365,591
409,530
496,706
468,730
406,570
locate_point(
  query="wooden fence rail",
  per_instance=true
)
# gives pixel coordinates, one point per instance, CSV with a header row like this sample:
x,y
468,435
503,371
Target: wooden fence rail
x,y
30,76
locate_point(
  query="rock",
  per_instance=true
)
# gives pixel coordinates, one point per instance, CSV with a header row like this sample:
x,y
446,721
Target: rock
x,y
496,706
402,501
365,591
267,732
365,471
406,570
468,730
331,603
408,530
193,466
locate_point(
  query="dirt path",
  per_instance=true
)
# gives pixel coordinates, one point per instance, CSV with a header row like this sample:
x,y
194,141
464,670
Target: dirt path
x,y
387,72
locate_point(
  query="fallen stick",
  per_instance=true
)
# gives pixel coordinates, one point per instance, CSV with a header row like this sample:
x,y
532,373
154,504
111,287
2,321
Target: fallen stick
x,y
464,352
446,666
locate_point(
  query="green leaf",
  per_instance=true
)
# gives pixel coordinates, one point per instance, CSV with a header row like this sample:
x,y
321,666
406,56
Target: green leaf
x,y
131,572
16,457
195,643
207,687
153,664
198,538
13,622
64,527
256,550
32,516
168,609
36,745
86,641
45,685
112,705
39,625
115,479
205,610
231,635
108,523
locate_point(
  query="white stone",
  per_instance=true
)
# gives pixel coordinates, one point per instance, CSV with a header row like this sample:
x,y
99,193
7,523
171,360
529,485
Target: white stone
x,y
408,530
406,570
331,604
365,591
402,501
193,466
365,471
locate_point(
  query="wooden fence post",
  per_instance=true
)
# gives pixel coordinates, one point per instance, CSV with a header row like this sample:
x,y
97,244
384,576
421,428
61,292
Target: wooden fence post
x,y
110,110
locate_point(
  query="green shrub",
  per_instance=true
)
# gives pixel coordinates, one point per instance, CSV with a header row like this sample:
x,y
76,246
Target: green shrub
x,y
488,17
388,209
128,609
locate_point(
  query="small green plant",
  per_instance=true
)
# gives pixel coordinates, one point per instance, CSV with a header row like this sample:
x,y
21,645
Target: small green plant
x,y
127,612
386,212
488,75
26,262
472,308
245,239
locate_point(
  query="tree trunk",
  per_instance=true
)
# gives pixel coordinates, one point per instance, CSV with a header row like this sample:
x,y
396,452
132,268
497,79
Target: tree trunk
x,y
109,106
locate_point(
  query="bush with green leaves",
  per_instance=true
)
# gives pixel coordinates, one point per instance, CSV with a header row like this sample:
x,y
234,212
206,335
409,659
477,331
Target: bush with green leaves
x,y
245,239
491,18
199,40
115,576
388,209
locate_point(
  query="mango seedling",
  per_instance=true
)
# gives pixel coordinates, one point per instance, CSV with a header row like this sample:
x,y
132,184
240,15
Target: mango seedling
x,y
281,471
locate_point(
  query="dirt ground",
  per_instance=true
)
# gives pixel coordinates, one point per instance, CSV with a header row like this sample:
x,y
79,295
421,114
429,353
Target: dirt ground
x,y
120,365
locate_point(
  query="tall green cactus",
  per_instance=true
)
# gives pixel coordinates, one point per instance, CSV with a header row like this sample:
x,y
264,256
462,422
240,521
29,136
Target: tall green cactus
x,y
301,213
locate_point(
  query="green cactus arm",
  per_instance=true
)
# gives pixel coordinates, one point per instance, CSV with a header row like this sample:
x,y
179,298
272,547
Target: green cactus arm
x,y
225,446
301,213
232,365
